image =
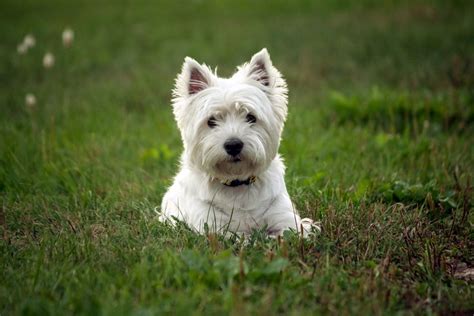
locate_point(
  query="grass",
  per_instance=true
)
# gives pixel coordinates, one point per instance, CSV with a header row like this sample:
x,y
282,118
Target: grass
x,y
378,144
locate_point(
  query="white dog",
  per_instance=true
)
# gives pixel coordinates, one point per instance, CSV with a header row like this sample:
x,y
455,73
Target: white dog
x,y
231,177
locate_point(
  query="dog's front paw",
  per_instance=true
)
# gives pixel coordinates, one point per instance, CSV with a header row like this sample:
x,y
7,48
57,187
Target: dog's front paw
x,y
310,227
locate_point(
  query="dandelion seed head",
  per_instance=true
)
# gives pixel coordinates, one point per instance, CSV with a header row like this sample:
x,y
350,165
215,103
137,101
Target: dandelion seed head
x,y
29,41
48,60
30,100
68,37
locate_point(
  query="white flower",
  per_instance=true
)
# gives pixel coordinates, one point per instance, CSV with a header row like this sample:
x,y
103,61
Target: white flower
x,y
21,48
48,60
68,37
30,100
29,41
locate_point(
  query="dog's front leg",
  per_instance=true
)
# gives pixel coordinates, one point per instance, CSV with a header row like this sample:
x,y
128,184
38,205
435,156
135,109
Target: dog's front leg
x,y
283,216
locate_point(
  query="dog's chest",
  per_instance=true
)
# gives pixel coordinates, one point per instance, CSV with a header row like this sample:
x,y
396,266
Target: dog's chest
x,y
243,215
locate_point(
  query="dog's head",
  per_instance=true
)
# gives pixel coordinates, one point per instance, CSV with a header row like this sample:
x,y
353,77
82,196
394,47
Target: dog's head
x,y
231,127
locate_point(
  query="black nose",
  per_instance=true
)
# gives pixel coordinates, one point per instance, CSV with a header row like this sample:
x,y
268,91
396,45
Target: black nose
x,y
233,146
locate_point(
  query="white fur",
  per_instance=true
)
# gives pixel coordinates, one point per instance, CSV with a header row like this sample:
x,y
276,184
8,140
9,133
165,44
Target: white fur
x,y
198,196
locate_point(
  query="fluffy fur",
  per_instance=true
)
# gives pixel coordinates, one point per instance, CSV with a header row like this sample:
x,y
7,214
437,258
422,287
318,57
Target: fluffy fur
x,y
198,195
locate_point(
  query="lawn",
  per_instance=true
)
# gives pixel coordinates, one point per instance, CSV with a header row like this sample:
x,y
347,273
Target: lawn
x,y
379,147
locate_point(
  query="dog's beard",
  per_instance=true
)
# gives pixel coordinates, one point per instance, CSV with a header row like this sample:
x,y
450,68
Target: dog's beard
x,y
235,168
211,157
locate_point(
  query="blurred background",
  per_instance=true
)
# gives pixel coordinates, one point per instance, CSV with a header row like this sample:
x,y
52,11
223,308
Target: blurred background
x,y
319,45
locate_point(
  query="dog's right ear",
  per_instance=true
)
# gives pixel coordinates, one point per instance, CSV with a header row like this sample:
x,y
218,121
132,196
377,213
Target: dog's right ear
x,y
193,79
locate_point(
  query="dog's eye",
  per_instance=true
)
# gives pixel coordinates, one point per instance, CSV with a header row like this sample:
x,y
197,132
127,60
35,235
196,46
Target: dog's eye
x,y
250,118
212,122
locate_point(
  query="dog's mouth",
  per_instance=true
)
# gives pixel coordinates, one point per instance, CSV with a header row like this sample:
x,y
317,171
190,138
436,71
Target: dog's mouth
x,y
235,167
236,159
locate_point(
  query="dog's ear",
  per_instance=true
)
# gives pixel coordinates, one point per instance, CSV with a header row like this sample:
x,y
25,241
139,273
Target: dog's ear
x,y
192,79
261,70
260,67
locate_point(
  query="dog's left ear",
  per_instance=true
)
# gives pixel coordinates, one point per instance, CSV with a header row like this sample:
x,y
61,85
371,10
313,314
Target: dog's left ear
x,y
261,70
260,67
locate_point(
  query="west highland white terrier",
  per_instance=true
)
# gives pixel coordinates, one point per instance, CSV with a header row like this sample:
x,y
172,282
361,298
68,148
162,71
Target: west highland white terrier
x,y
232,177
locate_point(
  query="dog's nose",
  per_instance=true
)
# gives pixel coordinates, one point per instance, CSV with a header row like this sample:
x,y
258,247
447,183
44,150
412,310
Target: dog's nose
x,y
233,146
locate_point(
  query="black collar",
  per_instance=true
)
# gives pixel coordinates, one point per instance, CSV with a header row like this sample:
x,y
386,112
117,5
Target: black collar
x,y
237,182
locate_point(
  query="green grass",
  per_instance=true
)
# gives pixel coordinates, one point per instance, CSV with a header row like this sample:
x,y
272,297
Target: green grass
x,y
379,146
